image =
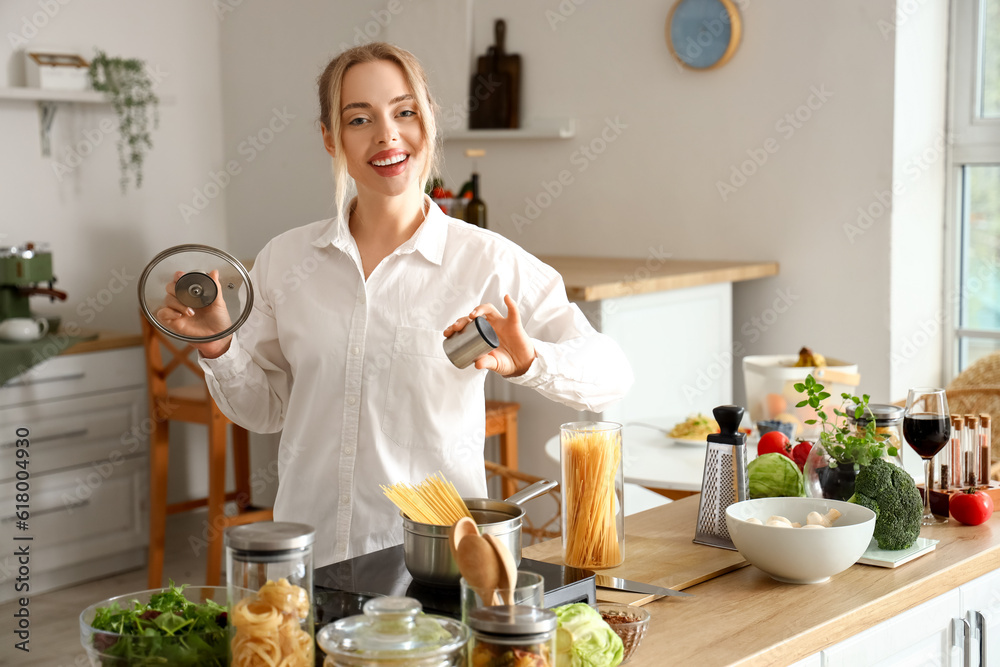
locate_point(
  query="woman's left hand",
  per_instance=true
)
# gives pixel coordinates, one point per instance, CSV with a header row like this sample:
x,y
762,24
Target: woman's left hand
x,y
516,351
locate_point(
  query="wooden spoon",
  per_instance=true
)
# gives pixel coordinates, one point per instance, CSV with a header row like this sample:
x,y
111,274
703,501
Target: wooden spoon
x,y
479,565
464,526
507,579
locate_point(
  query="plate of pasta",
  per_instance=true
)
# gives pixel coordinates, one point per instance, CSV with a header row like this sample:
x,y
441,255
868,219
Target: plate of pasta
x,y
694,430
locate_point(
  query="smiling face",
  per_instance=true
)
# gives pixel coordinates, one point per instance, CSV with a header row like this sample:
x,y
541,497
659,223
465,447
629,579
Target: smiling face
x,y
380,129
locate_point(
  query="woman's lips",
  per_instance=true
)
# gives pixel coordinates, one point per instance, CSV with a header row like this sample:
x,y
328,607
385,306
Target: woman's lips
x,y
392,169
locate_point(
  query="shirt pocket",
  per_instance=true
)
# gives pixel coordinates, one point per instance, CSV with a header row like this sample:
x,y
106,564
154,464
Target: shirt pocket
x,y
430,404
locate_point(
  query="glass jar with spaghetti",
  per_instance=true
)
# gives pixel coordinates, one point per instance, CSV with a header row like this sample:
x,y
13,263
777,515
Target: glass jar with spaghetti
x,y
593,484
269,577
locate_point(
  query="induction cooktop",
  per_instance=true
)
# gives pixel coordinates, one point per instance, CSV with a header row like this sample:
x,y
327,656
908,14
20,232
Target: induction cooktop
x,y
341,588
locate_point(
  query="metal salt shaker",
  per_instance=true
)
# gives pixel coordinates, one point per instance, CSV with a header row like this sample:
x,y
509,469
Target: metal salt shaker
x,y
472,342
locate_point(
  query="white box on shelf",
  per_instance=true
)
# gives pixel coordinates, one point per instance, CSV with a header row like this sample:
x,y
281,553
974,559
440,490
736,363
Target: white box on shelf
x,y
52,70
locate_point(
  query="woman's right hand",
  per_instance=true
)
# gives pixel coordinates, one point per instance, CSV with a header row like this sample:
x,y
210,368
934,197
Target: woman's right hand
x,y
197,322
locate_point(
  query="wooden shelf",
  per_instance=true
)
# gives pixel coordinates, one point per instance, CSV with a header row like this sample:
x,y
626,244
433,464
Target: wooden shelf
x,y
39,95
554,128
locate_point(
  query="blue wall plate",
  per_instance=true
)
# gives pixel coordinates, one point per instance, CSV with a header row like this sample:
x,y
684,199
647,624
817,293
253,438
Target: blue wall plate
x,y
703,34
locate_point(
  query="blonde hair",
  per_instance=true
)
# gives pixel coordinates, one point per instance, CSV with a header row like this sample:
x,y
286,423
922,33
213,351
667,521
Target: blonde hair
x,y
331,84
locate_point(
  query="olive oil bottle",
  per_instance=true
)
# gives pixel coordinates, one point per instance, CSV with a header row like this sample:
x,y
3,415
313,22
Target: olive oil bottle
x,y
475,210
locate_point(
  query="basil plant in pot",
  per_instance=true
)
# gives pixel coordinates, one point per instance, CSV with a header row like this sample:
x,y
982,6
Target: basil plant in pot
x,y
842,449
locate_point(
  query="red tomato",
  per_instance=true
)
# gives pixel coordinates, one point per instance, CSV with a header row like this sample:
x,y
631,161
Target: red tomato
x,y
800,453
774,441
971,507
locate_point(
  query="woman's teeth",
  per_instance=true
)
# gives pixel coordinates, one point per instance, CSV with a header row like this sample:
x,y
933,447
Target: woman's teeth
x,y
392,160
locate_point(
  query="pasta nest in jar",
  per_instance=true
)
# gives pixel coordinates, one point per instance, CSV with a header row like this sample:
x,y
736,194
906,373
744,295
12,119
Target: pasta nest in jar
x,y
268,628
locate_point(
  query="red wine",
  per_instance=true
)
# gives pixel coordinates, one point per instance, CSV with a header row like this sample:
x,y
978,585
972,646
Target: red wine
x,y
926,433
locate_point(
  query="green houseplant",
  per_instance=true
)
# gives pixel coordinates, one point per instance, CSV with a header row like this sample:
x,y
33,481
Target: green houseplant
x,y
127,85
842,450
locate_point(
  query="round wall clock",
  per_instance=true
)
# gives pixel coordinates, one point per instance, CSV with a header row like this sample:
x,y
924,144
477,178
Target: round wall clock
x,y
703,34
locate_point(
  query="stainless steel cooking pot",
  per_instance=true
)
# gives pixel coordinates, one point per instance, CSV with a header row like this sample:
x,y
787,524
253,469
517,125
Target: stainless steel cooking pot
x,y
426,547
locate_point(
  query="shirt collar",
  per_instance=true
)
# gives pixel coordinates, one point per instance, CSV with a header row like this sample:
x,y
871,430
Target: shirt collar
x,y
429,239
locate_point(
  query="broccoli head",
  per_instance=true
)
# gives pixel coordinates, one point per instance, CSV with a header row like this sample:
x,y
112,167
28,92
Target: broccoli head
x,y
889,491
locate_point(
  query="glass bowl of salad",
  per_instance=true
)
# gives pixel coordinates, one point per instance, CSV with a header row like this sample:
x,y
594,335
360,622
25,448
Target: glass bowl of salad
x,y
178,626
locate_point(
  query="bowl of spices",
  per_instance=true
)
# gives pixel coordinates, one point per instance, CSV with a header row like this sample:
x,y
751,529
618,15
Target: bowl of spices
x,y
628,621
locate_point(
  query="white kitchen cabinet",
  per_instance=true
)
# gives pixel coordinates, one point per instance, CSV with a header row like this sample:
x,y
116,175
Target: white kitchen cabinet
x,y
815,660
982,595
919,636
88,464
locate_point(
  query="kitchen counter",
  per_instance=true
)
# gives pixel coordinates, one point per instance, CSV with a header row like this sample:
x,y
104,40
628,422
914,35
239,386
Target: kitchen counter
x,y
745,617
106,340
595,278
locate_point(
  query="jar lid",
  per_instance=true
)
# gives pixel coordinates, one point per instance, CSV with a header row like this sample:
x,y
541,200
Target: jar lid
x,y
486,332
884,414
393,628
513,620
270,536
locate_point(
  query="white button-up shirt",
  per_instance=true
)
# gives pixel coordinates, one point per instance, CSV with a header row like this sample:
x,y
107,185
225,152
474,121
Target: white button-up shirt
x,y
354,374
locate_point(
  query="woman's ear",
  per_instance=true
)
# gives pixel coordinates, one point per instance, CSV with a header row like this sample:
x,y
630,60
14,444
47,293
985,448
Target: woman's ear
x,y
328,142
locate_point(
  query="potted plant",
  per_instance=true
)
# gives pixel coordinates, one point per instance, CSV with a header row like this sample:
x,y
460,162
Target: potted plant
x,y
127,85
842,450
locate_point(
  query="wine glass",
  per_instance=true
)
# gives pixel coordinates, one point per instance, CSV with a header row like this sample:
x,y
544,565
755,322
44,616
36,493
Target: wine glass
x,y
927,428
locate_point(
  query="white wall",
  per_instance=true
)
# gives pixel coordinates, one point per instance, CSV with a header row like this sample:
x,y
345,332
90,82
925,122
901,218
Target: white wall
x,y
919,318
100,238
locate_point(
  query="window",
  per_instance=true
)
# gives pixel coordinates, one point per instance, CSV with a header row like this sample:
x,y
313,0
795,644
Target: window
x,y
974,181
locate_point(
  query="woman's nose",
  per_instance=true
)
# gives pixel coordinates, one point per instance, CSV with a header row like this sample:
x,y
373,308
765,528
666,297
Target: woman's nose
x,y
388,132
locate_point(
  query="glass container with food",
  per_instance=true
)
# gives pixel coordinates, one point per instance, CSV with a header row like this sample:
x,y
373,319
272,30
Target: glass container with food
x,y
512,635
269,576
888,422
394,631
593,486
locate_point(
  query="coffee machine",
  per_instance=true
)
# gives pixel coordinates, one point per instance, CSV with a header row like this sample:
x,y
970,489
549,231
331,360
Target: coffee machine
x,y
25,271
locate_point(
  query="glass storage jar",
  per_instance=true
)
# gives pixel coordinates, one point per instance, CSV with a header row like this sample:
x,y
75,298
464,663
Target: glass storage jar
x,y
394,631
513,635
269,576
593,488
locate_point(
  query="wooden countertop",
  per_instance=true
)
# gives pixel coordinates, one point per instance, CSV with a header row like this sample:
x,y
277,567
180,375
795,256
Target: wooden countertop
x,y
106,340
594,278
746,618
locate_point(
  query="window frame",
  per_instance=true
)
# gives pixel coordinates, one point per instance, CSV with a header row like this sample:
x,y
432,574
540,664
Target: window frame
x,y
972,141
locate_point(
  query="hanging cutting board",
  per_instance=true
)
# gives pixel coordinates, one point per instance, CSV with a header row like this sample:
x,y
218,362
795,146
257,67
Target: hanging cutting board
x,y
658,551
495,89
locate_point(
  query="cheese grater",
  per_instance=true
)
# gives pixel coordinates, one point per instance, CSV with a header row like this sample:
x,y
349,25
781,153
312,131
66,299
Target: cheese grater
x,y
725,479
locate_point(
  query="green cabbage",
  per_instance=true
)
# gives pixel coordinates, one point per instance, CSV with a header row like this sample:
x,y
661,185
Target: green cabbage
x,y
584,639
775,475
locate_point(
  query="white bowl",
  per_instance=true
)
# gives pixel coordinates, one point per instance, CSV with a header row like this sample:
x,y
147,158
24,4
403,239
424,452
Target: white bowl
x,y
800,555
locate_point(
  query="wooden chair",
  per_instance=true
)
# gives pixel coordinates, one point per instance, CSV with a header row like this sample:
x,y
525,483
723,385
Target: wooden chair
x,y
192,404
501,420
530,532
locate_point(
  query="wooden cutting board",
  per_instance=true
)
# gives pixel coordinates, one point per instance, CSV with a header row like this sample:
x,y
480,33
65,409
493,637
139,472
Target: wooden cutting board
x,y
659,551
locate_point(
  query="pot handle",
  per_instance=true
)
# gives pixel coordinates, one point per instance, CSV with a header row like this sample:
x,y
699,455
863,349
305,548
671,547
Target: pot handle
x,y
540,487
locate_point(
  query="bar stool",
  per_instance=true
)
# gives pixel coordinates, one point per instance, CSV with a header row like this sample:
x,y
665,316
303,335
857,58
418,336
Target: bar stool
x,y
501,420
191,404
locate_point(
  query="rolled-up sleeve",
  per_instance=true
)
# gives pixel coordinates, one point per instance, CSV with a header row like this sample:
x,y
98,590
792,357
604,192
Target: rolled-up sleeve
x,y
251,381
574,364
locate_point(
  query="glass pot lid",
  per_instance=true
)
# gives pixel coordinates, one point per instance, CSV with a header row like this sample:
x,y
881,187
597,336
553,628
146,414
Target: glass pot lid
x,y
393,629
180,294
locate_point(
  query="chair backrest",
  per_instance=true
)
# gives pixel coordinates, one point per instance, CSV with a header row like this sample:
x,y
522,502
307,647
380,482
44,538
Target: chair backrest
x,y
530,532
159,368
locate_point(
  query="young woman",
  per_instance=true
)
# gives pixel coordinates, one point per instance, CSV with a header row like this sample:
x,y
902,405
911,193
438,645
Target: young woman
x,y
343,352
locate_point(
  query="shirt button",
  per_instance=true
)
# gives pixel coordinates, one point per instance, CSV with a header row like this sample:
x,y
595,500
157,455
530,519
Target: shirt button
x,y
356,350
348,450
345,499
351,400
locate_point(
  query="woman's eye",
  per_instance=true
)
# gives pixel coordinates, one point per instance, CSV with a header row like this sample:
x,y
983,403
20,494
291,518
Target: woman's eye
x,y
356,121
407,112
